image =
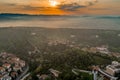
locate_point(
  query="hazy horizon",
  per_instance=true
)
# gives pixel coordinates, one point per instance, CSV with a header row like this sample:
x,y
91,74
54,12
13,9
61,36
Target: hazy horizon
x,y
81,22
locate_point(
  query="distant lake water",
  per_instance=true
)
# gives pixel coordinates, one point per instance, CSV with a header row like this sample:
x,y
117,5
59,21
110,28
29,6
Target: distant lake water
x,y
82,22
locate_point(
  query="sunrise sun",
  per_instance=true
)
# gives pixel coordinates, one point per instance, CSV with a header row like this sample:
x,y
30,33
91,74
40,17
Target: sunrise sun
x,y
53,3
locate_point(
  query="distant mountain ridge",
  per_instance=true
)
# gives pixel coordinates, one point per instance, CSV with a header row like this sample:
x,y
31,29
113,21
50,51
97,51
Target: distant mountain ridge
x,y
96,16
15,14
11,16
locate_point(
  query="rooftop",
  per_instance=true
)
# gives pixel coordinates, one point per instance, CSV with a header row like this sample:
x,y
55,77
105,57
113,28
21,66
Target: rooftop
x,y
114,66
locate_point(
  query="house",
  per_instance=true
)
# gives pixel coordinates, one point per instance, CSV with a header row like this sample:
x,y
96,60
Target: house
x,y
14,74
1,77
15,59
114,69
6,78
22,63
2,69
17,68
103,50
54,72
42,77
6,65
4,55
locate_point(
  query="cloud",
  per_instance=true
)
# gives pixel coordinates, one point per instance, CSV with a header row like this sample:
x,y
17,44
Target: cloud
x,y
99,9
77,5
65,5
28,7
70,7
10,4
25,7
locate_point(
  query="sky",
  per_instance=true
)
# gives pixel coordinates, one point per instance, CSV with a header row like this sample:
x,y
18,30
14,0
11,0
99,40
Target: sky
x,y
61,7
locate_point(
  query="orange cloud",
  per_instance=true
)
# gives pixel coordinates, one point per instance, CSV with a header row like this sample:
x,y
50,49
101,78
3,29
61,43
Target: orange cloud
x,y
65,7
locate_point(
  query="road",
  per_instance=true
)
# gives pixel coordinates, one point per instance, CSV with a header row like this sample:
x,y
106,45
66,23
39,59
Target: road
x,y
84,71
94,73
23,74
74,71
111,77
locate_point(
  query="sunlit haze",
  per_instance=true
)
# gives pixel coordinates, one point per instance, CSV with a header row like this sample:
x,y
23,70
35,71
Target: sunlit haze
x,y
62,7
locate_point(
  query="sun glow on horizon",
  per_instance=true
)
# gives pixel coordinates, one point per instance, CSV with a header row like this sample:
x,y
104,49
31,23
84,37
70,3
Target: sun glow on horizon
x,y
53,3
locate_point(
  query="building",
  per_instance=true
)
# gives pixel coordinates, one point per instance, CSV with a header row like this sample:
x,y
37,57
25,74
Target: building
x,y
102,50
6,65
55,72
42,77
6,78
22,63
13,75
2,69
17,68
11,66
114,69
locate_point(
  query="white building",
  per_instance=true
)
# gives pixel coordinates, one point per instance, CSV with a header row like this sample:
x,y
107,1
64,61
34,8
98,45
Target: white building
x,y
113,69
